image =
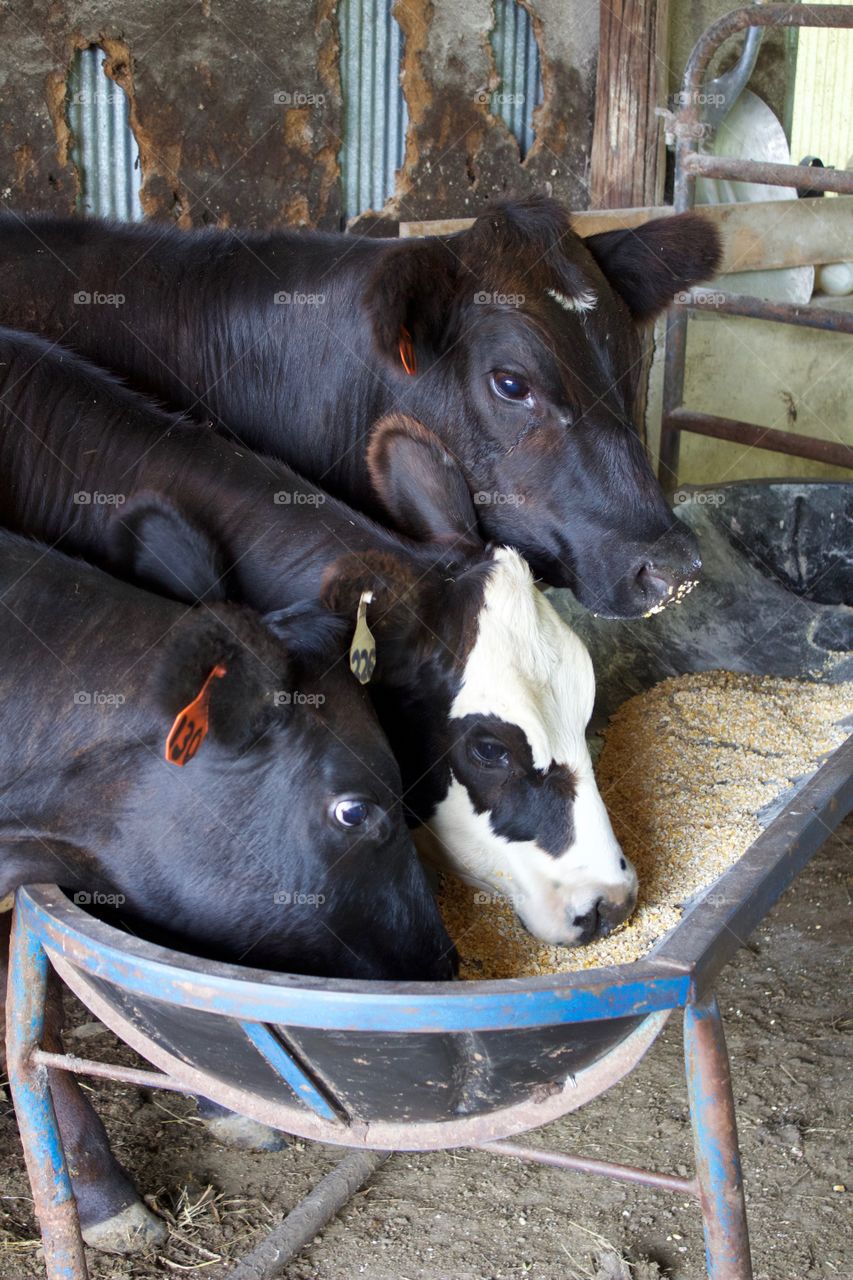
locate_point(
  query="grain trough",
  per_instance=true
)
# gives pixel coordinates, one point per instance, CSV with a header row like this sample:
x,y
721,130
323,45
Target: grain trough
x,y
423,1066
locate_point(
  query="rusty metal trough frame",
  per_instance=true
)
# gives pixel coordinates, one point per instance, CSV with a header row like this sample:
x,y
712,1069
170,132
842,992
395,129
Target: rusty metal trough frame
x,y
690,164
48,929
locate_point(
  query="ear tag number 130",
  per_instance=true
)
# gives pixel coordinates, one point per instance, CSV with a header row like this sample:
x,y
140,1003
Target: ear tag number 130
x,y
190,727
362,651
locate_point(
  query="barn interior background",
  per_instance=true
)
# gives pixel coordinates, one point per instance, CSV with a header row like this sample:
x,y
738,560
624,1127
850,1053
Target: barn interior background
x,y
366,113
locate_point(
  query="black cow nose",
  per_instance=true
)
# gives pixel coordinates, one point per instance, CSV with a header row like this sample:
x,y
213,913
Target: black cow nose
x,y
589,923
666,568
601,919
660,583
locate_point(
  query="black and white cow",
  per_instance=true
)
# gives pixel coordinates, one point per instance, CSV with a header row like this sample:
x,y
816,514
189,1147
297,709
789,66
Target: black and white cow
x,y
515,342
265,847
482,689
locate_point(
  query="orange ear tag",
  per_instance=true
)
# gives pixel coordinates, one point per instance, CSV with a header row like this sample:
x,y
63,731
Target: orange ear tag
x,y
407,352
190,728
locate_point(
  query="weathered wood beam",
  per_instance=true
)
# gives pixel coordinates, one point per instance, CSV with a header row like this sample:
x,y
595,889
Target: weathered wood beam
x,y
627,160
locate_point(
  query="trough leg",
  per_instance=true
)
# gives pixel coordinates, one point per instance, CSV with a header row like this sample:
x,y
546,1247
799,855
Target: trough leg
x,y
718,1170
48,1172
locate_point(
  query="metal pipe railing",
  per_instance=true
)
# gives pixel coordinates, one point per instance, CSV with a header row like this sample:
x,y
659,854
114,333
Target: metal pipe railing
x,y
689,129
832,453
839,181
600,1168
801,314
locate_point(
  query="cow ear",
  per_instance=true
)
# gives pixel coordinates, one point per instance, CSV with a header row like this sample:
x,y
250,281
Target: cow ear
x,y
409,299
397,612
222,673
648,265
420,484
309,630
155,543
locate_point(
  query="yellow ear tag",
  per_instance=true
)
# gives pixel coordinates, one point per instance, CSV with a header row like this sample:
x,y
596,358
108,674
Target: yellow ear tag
x,y
362,651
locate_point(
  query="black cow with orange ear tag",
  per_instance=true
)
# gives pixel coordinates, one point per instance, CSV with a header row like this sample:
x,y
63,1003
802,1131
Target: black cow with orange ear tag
x,y
279,843
285,782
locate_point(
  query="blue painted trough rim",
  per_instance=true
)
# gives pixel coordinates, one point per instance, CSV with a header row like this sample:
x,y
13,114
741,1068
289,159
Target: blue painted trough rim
x,y
682,967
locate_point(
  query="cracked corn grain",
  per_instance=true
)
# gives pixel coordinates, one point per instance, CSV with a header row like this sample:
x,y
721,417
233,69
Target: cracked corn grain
x,y
685,769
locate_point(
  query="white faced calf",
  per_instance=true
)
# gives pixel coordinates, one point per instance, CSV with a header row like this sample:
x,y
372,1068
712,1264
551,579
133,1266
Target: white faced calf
x,y
487,695
522,813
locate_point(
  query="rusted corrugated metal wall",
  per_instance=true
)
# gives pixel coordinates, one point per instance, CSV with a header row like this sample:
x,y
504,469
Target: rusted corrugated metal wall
x,y
375,115
104,152
262,112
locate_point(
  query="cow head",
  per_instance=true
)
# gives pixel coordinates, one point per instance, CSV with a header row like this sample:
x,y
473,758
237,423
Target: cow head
x,y
525,343
281,843
307,788
485,694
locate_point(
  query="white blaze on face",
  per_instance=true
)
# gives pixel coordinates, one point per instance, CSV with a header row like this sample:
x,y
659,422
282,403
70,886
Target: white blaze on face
x,y
580,303
529,669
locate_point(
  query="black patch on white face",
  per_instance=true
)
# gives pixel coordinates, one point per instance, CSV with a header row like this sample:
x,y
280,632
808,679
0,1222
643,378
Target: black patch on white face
x,y
417,682
523,802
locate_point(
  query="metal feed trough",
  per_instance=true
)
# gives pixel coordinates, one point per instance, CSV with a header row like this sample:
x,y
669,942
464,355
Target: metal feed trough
x,y
379,1067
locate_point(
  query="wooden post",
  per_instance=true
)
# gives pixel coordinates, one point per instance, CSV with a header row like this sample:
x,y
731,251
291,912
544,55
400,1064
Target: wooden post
x,y
626,163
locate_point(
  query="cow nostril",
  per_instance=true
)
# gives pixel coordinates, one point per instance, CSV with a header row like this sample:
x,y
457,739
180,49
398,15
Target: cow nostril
x,y
588,917
662,584
653,582
589,923
612,913
602,918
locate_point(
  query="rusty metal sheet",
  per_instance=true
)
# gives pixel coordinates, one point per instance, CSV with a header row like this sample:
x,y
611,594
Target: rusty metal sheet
x,y
235,106
458,153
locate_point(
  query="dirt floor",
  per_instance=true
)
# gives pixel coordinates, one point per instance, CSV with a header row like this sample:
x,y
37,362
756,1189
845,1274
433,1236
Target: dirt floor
x,y
463,1215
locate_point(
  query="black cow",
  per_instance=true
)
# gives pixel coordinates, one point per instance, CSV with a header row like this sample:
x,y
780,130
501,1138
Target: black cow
x,y
267,846
483,690
515,342
295,787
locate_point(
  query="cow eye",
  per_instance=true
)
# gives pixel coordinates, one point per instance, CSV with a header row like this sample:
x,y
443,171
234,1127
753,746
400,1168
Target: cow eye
x,y
490,753
510,386
351,813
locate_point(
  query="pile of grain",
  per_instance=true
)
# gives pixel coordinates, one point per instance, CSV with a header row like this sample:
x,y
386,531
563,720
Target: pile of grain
x,y
684,770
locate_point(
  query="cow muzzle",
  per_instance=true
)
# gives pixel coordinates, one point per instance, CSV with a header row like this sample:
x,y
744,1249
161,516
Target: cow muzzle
x,y
602,918
662,574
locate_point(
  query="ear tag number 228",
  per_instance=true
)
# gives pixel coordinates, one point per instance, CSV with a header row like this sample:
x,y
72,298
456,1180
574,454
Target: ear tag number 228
x,y
190,727
362,651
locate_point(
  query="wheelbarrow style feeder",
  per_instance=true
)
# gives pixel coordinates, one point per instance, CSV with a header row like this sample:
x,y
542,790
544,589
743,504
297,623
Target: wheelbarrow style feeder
x,y
379,1067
